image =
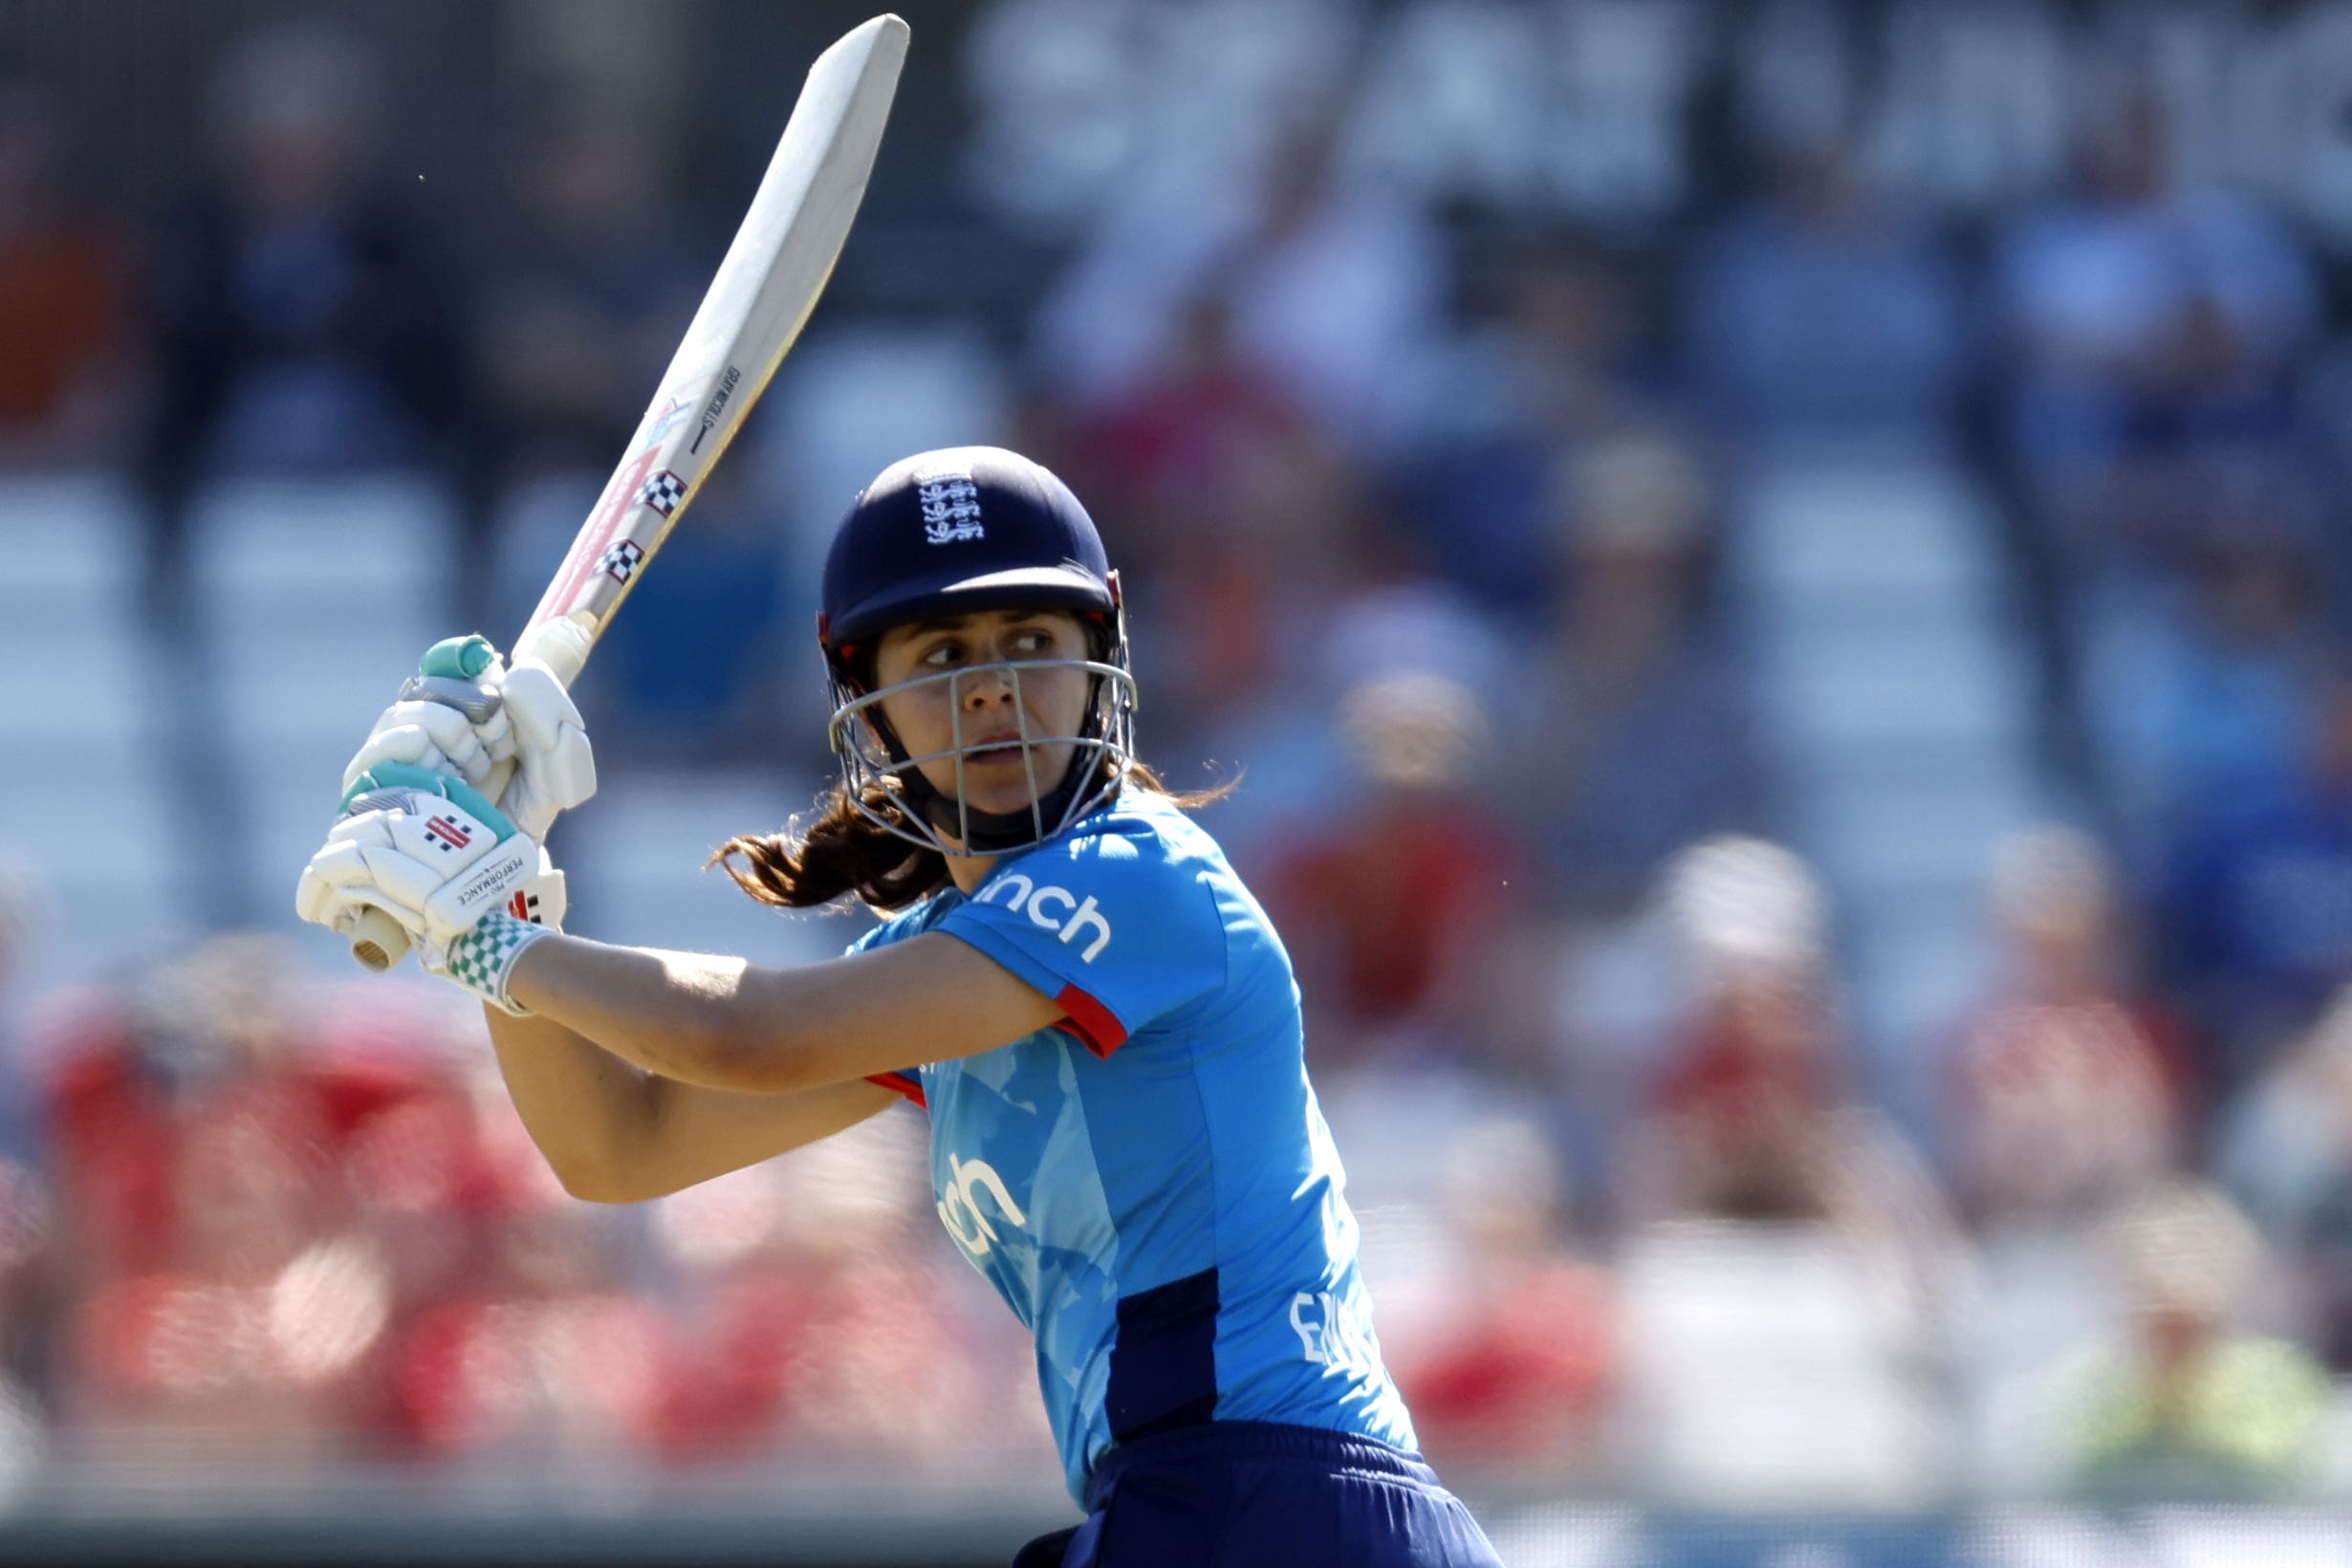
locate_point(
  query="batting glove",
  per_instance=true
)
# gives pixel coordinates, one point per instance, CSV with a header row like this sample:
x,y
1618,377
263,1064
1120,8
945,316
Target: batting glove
x,y
465,711
425,848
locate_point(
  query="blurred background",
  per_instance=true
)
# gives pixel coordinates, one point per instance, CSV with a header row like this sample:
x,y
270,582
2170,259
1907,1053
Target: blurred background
x,y
1772,575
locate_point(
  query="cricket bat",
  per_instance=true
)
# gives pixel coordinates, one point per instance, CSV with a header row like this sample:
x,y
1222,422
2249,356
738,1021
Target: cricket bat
x,y
762,294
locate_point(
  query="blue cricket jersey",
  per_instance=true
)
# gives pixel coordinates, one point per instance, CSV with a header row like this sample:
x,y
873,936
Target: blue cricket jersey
x,y
1151,1184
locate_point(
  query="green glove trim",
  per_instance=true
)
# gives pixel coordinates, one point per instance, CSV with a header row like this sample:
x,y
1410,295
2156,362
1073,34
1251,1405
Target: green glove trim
x,y
458,658
481,959
407,775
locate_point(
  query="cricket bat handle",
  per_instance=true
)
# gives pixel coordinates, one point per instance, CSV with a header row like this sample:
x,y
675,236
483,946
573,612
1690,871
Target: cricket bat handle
x,y
376,939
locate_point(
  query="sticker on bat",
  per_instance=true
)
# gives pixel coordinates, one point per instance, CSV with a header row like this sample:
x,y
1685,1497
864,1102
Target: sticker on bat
x,y
662,492
663,422
619,562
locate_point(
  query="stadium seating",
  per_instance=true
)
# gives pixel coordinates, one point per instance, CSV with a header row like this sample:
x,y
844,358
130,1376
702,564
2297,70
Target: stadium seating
x,y
1900,709
93,781
313,599
635,867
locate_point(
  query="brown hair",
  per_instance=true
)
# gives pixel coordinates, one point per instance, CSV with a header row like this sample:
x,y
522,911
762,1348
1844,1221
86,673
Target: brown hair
x,y
844,851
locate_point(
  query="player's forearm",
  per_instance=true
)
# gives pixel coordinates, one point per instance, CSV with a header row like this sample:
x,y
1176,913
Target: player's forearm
x,y
682,1015
588,1111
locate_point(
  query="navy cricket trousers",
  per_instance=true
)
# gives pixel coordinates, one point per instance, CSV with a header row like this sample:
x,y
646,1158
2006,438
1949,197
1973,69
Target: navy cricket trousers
x,y
1252,1494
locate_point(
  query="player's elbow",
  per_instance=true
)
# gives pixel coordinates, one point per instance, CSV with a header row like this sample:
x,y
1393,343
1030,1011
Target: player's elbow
x,y
592,1177
599,1184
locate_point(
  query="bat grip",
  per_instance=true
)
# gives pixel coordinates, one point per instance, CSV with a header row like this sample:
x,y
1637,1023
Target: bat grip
x,y
378,941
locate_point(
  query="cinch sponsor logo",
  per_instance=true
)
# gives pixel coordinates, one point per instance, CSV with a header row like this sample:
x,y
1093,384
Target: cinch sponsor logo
x,y
958,1210
1053,909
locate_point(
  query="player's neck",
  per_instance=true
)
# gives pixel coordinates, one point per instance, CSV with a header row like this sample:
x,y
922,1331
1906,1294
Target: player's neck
x,y
968,871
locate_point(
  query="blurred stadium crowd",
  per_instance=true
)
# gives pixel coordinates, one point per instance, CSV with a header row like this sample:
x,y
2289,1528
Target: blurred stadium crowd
x,y
1801,745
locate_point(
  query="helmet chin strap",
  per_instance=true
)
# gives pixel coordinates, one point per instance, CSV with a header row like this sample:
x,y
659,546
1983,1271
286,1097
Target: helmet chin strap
x,y
985,830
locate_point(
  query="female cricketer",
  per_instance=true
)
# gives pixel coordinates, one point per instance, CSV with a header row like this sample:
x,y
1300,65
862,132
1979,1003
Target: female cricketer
x,y
1072,981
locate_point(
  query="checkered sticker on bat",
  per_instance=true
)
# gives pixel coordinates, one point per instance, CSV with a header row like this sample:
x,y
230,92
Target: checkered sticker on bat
x,y
662,492
619,562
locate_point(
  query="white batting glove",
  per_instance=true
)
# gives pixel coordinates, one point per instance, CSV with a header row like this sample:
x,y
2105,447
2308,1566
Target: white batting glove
x,y
464,712
467,887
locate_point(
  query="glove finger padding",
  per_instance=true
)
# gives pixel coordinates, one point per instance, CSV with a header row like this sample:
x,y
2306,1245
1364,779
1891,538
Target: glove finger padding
x,y
426,734
556,766
479,701
538,707
334,883
464,675
339,878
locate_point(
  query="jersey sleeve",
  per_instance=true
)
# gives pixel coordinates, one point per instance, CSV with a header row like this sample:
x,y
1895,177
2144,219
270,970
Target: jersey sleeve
x,y
906,1082
1110,927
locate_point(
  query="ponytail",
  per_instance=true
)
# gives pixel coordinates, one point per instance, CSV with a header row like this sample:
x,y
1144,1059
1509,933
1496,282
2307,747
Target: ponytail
x,y
843,851
846,851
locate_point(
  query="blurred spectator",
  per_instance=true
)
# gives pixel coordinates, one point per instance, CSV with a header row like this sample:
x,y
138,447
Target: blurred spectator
x,y
2145,320
1334,285
2286,1151
1740,1125
1368,614
1634,723
2186,1406
1565,360
592,286
221,1274
1750,1115
1816,313
1394,902
539,1349
1184,445
2068,1097
807,1279
1235,514
299,327
2257,904
65,328
20,1132
31,1248
2201,679
1514,1366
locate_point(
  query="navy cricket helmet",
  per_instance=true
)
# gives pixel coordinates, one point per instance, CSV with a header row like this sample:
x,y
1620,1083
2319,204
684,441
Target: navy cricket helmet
x,y
952,532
